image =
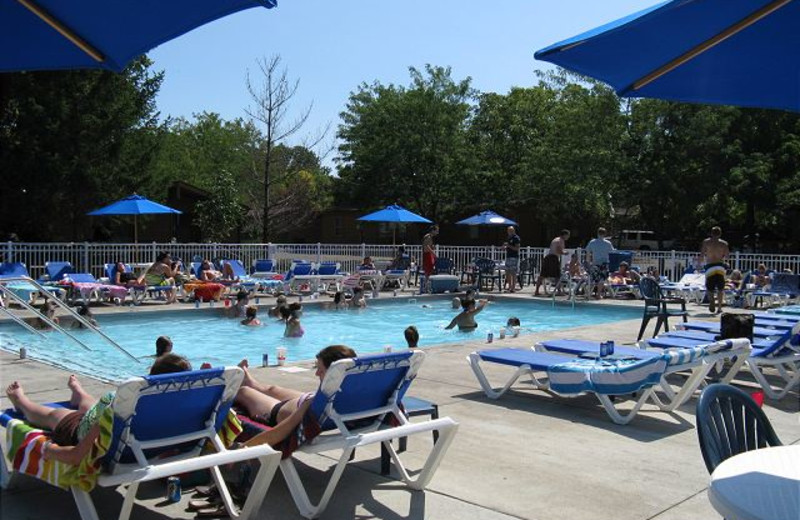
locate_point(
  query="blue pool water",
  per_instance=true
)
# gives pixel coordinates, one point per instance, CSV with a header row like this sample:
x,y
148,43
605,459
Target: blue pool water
x,y
205,335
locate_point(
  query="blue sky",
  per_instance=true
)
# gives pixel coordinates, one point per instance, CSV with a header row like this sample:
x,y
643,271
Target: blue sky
x,y
332,47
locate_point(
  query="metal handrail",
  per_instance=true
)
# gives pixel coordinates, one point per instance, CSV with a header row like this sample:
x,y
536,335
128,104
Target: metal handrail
x,y
80,319
20,321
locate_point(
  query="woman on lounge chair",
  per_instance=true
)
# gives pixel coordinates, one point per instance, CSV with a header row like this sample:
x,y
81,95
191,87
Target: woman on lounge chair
x,y
74,431
124,278
162,273
272,404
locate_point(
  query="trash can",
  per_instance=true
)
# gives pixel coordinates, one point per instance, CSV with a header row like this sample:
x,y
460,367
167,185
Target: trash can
x,y
617,257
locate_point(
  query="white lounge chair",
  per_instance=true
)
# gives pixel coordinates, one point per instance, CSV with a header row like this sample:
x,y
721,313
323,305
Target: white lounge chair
x,y
159,427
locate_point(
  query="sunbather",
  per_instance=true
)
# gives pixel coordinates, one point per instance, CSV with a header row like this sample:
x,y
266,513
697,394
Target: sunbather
x,y
466,318
161,273
625,275
273,404
74,431
208,273
125,278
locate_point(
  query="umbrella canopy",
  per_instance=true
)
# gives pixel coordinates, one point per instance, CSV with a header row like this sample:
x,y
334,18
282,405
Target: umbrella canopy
x,y
730,52
487,218
99,34
396,214
134,205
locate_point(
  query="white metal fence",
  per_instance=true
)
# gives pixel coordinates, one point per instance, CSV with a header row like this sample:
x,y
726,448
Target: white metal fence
x,y
91,257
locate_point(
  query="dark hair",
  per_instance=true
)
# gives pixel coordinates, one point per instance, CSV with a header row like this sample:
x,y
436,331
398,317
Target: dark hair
x,y
357,290
163,345
466,303
601,231
563,232
242,295
626,264
83,310
47,306
513,321
170,363
433,228
412,336
163,255
337,298
284,312
333,353
251,311
716,231
401,250
281,298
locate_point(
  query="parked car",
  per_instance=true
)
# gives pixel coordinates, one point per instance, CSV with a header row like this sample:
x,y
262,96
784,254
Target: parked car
x,y
641,240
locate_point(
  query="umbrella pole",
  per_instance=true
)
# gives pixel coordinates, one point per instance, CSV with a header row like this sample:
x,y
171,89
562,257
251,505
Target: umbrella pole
x,y
135,229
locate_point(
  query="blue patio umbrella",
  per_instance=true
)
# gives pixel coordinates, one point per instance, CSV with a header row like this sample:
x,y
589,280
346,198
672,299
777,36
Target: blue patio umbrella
x,y
99,34
730,52
134,205
395,214
487,218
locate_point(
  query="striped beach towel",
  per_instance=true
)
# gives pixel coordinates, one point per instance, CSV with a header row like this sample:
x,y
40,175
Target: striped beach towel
x,y
612,377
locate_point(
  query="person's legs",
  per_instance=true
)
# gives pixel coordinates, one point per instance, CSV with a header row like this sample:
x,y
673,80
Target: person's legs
x,y
80,399
37,415
274,391
254,402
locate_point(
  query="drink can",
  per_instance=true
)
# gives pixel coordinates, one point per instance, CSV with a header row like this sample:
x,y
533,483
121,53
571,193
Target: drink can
x,y
610,348
490,337
258,300
23,353
197,304
394,293
174,489
265,360
227,302
502,333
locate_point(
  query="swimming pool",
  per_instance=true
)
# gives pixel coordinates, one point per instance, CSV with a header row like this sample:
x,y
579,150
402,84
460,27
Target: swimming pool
x,y
206,335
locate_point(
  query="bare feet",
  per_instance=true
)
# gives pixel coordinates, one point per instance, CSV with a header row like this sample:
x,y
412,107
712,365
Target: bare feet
x,y
248,379
15,393
77,391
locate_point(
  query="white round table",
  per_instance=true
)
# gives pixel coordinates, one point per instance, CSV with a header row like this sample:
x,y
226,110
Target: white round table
x,y
761,484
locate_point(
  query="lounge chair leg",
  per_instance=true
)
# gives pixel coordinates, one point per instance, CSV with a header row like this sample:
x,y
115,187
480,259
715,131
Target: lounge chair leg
x,y
130,498
85,504
299,493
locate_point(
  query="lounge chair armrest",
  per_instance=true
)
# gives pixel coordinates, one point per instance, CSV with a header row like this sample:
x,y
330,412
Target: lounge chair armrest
x,y
167,469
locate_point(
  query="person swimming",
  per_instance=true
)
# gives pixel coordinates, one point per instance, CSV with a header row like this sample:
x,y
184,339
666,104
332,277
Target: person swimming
x,y
466,318
251,316
293,327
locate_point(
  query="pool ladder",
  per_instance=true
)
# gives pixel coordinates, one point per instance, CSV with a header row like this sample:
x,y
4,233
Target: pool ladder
x,y
9,294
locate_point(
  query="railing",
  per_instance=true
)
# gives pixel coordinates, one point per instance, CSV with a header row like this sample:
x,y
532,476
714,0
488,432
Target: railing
x,y
91,257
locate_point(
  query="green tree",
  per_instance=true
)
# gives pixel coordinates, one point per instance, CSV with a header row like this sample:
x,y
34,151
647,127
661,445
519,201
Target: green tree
x,y
220,215
70,141
410,141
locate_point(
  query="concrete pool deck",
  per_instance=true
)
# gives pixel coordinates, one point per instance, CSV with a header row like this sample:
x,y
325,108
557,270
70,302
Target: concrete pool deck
x,y
528,455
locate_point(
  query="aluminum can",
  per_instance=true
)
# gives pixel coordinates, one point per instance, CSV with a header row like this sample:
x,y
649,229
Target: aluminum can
x,y
502,333
610,348
265,360
174,489
23,353
490,337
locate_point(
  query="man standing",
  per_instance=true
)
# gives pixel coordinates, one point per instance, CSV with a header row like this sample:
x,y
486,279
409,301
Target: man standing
x,y
551,264
512,258
715,251
598,249
428,254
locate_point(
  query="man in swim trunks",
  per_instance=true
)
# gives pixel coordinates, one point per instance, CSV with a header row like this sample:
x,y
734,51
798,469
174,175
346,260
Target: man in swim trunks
x,y
715,251
598,250
551,264
428,254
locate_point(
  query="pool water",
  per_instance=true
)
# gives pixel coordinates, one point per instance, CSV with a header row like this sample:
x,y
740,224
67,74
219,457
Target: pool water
x,y
206,335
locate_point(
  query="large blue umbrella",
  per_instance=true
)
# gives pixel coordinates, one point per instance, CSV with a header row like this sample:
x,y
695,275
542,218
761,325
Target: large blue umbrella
x,y
731,52
394,213
99,34
487,218
134,205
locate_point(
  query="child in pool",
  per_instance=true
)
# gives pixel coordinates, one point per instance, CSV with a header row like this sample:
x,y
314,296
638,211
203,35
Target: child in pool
x,y
466,318
358,298
275,312
293,327
251,313
412,336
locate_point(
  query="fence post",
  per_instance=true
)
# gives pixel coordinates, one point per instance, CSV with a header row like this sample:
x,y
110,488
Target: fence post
x,y
319,252
736,260
674,274
154,252
86,266
363,250
10,254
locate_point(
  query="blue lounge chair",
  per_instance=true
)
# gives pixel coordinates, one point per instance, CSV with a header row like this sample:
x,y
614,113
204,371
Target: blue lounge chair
x,y
56,271
779,352
24,290
137,292
697,358
783,288
245,281
263,268
762,328
159,428
355,404
637,372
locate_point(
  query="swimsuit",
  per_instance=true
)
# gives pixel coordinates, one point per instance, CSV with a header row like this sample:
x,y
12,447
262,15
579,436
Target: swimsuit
x,y
715,276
